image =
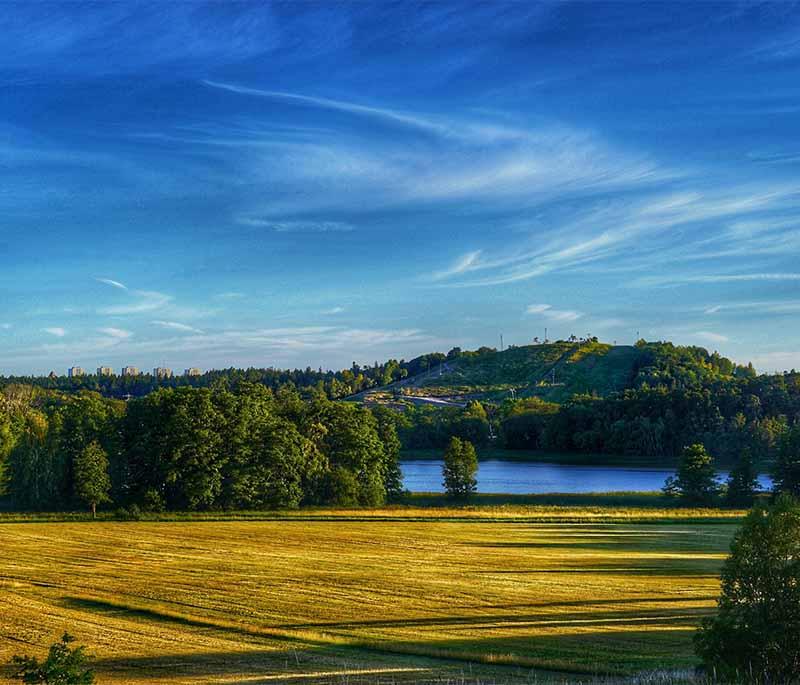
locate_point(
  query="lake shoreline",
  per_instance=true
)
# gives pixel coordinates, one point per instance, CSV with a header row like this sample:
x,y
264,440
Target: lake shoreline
x,y
526,477
544,457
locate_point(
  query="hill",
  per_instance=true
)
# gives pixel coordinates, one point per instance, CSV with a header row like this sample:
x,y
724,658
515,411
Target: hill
x,y
554,372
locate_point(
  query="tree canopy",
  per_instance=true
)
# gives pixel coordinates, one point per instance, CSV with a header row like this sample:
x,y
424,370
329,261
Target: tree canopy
x,y
756,631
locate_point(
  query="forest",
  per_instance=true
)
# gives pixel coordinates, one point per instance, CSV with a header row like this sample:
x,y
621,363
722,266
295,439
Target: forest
x,y
195,449
239,444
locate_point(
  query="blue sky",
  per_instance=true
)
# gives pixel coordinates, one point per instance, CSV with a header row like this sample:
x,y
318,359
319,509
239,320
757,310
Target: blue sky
x,y
311,184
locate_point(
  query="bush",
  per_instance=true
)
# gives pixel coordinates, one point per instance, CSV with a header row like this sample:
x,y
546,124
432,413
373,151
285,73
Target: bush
x,y
131,513
63,666
756,632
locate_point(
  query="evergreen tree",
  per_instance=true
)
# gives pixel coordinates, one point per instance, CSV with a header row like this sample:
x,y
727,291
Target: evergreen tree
x,y
695,481
742,482
460,468
90,476
786,472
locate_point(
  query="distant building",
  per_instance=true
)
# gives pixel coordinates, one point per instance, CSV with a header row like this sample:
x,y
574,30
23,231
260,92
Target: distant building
x,y
105,371
162,372
75,371
130,371
193,371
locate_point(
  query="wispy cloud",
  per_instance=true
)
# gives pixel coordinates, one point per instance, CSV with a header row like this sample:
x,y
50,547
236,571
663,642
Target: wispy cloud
x,y
177,326
297,226
118,333
112,283
685,279
145,301
334,310
246,347
230,295
461,265
635,232
711,336
547,311
761,308
381,113
56,331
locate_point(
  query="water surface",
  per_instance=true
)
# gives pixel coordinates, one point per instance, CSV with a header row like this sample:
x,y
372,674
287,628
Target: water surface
x,y
525,478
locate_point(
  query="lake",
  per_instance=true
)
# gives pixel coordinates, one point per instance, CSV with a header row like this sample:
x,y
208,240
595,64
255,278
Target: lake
x,y
525,478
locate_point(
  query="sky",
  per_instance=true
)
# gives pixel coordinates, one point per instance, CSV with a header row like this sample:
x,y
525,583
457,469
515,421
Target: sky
x,y
293,184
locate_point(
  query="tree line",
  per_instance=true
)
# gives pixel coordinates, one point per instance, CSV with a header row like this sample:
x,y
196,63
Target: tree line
x,y
333,384
195,449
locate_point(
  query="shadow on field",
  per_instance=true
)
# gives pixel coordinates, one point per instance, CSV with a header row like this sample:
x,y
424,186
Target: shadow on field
x,y
643,567
689,616
622,541
498,660
258,666
605,643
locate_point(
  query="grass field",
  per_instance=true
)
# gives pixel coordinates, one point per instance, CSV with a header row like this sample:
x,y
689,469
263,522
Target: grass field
x,y
487,594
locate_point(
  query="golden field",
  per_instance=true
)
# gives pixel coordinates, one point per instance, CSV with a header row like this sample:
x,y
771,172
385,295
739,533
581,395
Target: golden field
x,y
505,594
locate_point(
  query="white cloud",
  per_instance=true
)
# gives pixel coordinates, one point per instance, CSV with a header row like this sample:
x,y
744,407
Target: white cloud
x,y
681,279
229,296
177,326
637,233
777,361
334,310
118,333
112,283
765,307
56,331
297,226
5,326
548,312
711,337
381,113
146,301
461,265
296,346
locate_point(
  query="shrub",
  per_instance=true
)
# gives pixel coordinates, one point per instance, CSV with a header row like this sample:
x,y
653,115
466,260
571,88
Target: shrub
x,y
63,666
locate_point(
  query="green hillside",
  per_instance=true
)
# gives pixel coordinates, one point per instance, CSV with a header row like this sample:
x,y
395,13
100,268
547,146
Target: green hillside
x,y
557,371
552,371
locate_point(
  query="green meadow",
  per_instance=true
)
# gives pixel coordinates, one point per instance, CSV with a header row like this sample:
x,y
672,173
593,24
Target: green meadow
x,y
510,592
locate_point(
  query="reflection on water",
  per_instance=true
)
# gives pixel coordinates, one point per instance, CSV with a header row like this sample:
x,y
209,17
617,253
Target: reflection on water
x,y
523,478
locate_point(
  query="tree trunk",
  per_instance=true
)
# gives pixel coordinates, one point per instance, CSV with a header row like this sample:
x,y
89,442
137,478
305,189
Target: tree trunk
x,y
94,510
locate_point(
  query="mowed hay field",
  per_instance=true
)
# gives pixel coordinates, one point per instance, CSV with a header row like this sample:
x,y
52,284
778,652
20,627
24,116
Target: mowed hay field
x,y
363,599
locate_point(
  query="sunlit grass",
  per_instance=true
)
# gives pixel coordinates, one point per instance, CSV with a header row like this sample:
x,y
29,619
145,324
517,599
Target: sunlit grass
x,y
411,593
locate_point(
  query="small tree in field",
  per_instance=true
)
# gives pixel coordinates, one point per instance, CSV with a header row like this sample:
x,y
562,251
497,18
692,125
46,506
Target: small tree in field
x,y
742,482
695,481
755,636
92,482
460,468
63,666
